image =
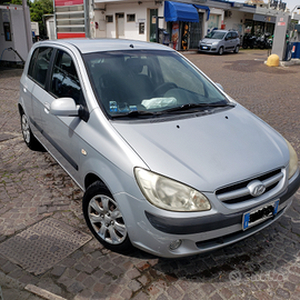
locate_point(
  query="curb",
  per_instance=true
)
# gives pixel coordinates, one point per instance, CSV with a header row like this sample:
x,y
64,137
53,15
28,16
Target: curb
x,y
42,293
13,284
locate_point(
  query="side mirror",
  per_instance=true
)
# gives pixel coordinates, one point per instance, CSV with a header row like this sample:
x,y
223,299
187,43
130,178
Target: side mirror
x,y
219,86
65,107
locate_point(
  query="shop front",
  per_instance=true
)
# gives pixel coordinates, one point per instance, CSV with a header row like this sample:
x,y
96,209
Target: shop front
x,y
260,24
184,23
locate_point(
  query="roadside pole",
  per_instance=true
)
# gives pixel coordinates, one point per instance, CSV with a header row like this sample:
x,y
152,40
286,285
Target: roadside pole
x,y
279,40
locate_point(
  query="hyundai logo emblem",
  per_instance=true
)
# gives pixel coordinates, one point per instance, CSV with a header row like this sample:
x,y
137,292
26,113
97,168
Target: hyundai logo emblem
x,y
256,188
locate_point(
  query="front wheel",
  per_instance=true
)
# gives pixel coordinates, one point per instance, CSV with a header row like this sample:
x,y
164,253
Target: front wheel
x,y
104,219
221,51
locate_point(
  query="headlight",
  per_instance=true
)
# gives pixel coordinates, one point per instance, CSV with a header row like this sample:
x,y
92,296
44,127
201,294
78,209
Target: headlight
x,y
169,194
215,43
293,166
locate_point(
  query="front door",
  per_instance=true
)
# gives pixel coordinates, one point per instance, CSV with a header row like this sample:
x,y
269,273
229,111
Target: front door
x,y
152,25
196,32
61,133
120,25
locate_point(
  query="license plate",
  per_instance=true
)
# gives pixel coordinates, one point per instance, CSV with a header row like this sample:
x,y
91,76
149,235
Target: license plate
x,y
204,47
260,214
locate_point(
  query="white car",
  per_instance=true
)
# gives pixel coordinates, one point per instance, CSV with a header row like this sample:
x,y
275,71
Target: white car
x,y
167,161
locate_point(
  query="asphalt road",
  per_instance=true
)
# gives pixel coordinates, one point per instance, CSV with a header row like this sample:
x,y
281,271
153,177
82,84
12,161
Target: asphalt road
x,y
38,200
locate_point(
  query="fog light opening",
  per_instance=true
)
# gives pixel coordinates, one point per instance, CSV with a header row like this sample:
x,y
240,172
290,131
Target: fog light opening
x,y
175,245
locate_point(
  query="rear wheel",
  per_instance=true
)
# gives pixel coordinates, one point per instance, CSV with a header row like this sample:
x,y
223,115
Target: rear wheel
x,y
104,219
28,137
237,48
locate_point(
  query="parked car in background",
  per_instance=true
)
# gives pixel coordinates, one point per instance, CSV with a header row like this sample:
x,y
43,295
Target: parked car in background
x,y
168,162
220,41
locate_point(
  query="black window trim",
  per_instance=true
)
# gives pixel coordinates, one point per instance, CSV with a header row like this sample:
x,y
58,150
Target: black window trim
x,y
84,113
44,87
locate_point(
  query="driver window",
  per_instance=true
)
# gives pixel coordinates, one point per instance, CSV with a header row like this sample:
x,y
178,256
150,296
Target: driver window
x,y
64,80
178,73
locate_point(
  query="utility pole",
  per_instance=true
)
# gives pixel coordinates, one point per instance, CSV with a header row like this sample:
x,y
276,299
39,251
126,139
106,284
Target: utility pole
x,y
27,24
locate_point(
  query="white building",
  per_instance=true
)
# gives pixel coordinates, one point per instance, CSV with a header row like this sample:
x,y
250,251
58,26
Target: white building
x,y
137,20
184,23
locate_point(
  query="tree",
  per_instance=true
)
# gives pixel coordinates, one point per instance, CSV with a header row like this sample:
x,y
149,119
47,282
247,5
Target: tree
x,y
38,8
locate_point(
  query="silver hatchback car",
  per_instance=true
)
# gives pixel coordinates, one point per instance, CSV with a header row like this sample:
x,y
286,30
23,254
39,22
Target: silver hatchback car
x,y
167,161
220,41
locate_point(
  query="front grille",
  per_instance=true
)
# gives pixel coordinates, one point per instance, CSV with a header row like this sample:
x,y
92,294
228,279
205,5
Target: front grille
x,y
239,192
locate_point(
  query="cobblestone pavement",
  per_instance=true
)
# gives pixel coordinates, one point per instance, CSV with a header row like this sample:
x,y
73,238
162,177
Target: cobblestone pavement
x,y
34,188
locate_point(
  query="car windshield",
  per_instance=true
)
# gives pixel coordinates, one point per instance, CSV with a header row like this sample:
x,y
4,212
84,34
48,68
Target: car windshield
x,y
149,83
217,35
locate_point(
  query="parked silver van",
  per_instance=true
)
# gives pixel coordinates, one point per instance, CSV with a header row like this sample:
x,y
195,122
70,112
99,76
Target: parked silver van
x,y
167,161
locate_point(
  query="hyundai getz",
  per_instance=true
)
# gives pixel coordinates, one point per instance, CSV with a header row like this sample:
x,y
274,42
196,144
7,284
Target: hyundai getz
x,y
168,162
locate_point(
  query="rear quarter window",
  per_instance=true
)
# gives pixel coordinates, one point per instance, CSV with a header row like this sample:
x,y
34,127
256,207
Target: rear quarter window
x,y
39,64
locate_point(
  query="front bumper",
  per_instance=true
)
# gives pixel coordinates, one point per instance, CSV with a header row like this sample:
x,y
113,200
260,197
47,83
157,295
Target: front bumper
x,y
208,48
153,231
215,222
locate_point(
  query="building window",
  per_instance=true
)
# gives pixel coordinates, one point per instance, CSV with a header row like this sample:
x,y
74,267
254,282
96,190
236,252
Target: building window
x,y
131,18
109,19
141,28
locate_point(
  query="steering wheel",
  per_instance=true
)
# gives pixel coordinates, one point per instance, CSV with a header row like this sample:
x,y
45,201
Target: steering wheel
x,y
163,88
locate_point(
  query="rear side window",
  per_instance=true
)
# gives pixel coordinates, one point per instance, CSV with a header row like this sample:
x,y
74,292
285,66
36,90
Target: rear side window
x,y
64,80
39,64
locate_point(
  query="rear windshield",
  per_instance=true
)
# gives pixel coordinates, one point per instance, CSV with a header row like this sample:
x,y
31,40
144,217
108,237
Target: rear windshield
x,y
147,81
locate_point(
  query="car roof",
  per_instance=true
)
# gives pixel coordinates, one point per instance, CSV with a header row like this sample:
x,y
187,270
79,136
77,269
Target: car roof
x,y
86,45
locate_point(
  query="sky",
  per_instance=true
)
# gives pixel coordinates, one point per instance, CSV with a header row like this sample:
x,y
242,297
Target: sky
x,y
292,3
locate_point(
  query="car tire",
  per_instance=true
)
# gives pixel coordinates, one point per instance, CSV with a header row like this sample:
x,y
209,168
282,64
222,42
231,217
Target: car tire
x,y
29,139
104,219
221,50
237,48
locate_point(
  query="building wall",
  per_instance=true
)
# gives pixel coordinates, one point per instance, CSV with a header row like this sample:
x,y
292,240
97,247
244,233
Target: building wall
x,y
235,20
131,28
216,18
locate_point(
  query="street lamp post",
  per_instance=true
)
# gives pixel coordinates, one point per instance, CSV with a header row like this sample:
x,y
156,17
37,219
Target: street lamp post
x,y
27,24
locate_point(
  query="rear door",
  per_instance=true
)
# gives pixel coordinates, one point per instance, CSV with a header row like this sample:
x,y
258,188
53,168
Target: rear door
x,y
228,42
33,85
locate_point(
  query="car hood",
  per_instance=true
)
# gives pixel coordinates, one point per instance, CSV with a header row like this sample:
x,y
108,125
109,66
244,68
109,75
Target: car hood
x,y
209,151
209,41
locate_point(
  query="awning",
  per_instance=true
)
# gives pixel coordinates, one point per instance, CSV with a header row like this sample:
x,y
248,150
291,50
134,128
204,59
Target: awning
x,y
176,11
205,8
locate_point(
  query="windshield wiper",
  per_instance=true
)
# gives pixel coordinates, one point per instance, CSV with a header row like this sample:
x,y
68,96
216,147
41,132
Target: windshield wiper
x,y
203,106
136,113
